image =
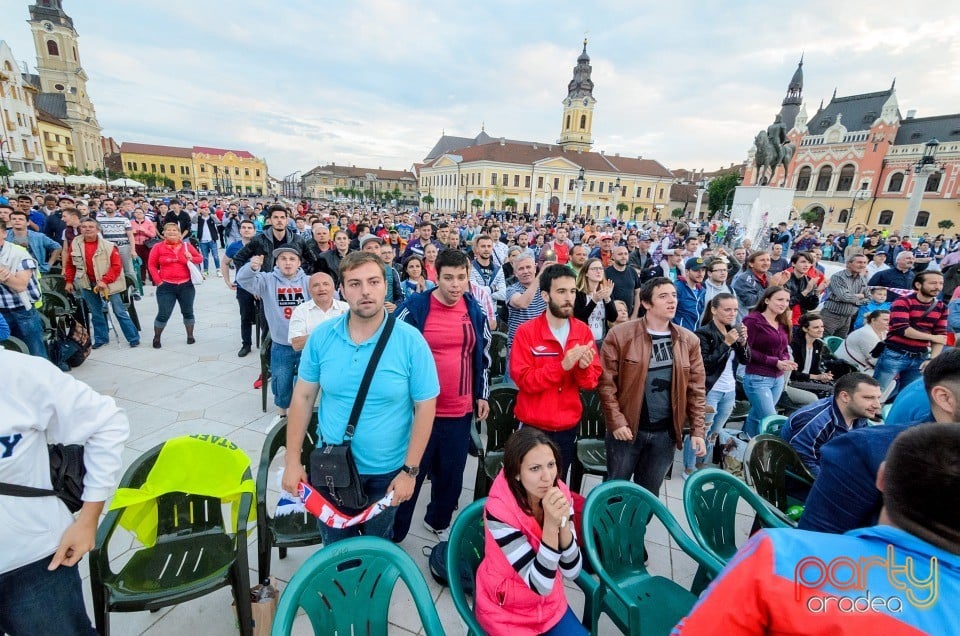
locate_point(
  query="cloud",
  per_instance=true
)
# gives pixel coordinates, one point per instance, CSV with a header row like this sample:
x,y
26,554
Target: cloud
x,y
374,82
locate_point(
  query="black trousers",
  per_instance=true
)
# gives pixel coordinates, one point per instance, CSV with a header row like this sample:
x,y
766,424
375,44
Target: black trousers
x,y
248,315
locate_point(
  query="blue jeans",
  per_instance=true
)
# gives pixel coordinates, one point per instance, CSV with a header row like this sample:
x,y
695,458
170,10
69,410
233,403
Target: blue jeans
x,y
168,294
646,459
763,393
375,487
569,625
206,249
25,324
35,601
904,367
723,405
283,362
101,333
443,460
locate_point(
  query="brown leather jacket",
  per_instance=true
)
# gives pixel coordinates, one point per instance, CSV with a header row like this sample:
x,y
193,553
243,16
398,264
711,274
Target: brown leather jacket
x,y
625,357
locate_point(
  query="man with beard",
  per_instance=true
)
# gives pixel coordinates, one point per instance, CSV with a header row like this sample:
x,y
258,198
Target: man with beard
x,y
484,271
844,495
578,256
553,358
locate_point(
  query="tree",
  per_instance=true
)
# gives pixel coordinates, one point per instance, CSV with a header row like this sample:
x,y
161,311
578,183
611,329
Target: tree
x,y
810,216
71,171
510,203
169,183
5,171
427,199
622,207
476,203
945,224
637,211
677,213
719,190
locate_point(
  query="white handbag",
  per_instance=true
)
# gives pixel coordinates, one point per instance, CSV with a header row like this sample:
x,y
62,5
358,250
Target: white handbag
x,y
196,276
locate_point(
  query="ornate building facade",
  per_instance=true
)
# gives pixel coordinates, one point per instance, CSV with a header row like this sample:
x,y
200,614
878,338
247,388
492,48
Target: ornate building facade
x,y
19,132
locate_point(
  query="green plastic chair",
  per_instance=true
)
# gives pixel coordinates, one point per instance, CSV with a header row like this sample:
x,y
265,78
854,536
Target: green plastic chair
x,y
128,303
346,588
193,556
885,411
833,343
615,522
500,424
776,471
465,552
265,346
50,282
15,344
710,498
591,456
772,424
287,531
498,356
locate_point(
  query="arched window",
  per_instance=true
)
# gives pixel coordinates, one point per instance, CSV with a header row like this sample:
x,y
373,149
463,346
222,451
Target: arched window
x,y
843,216
52,48
896,182
933,182
923,218
568,122
803,178
886,217
583,122
823,179
845,182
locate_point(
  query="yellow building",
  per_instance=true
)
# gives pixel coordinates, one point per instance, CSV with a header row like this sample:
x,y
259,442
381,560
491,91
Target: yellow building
x,y
229,171
461,173
160,162
56,141
332,181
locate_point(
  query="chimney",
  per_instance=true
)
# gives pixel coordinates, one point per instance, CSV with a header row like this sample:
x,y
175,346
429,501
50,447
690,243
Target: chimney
x,y
379,167
911,113
603,152
503,141
616,154
639,156
534,146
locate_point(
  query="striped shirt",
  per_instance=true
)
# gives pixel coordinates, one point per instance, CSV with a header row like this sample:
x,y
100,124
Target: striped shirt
x,y
843,291
517,316
537,569
16,259
907,311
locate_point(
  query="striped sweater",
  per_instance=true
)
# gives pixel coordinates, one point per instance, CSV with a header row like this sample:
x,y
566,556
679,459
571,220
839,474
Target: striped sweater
x,y
537,569
910,312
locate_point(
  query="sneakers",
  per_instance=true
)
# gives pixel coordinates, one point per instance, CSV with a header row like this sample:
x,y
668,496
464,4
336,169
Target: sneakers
x,y
136,296
219,274
276,420
442,535
244,350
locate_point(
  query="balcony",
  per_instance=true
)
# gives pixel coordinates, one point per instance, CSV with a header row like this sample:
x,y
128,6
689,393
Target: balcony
x,y
50,143
34,130
29,156
12,127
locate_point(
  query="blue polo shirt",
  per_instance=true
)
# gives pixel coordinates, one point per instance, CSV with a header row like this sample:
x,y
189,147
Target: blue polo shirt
x,y
406,374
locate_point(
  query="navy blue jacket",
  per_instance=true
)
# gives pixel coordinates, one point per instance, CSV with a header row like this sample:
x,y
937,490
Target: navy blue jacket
x,y
414,311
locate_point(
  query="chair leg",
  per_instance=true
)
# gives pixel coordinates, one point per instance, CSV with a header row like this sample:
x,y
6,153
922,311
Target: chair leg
x,y
101,615
576,475
700,581
283,552
241,594
669,472
264,550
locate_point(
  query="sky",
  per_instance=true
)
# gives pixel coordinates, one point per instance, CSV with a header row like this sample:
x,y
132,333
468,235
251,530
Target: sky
x,y
374,83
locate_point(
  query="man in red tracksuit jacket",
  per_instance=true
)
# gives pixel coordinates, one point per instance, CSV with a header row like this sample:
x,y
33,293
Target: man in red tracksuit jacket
x,y
552,358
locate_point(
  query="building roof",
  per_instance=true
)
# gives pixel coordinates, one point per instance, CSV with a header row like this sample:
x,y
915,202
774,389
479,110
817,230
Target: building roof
x,y
160,151
448,144
527,153
53,103
920,130
857,112
46,117
219,152
360,173
32,79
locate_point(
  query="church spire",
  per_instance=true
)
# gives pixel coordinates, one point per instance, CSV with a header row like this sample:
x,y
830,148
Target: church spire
x,y
794,97
577,123
581,85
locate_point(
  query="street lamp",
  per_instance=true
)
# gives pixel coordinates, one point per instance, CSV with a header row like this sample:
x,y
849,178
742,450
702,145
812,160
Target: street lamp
x,y
924,167
547,200
701,188
858,195
616,193
3,160
579,184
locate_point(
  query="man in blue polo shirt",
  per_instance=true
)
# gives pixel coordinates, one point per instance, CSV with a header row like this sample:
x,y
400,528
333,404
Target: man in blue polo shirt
x,y
397,416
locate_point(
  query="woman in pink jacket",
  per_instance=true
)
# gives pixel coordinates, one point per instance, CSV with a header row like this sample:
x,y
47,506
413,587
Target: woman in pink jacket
x,y
530,545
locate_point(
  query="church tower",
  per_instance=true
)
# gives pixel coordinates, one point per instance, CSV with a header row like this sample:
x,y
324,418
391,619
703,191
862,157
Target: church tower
x,y
794,98
578,107
63,82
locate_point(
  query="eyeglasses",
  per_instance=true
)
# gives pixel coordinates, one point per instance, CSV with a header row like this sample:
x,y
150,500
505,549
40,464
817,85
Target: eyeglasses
x,y
595,269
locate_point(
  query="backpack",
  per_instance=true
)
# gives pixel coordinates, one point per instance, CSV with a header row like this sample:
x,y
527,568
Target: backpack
x,y
437,560
70,344
951,279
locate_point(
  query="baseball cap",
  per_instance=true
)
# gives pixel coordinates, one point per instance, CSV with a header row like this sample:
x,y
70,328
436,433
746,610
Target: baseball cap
x,y
370,237
605,236
695,263
66,197
644,237
286,248
204,204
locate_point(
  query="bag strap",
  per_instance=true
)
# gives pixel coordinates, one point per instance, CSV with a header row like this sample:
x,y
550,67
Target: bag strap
x,y
16,490
368,378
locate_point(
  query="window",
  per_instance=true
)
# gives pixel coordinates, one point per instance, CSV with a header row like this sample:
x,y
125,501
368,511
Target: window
x,y
933,182
600,186
661,193
246,173
568,122
526,181
493,179
186,170
638,191
823,179
163,169
173,169
923,218
583,122
153,167
257,172
556,183
52,48
649,192
843,216
506,179
516,181
570,184
803,178
203,168
236,172
845,182
886,217
50,155
540,183
143,167
592,185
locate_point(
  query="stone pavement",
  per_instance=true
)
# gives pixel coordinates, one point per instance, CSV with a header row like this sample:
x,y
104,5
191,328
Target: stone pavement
x,y
205,388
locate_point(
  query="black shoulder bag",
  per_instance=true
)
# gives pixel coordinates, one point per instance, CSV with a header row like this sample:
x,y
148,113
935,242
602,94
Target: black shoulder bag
x,y
66,476
332,467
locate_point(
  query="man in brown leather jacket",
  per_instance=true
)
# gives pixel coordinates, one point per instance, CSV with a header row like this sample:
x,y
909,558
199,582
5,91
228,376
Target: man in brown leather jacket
x,y
653,382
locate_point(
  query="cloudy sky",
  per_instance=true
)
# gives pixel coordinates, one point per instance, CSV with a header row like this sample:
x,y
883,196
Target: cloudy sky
x,y
374,82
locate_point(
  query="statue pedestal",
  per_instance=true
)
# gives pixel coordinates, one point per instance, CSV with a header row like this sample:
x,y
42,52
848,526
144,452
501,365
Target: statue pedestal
x,y
760,208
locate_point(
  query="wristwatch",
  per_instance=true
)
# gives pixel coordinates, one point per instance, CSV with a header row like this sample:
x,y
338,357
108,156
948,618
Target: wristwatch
x,y
413,471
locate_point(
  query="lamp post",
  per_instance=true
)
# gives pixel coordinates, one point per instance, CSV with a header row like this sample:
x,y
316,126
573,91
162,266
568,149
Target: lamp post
x,y
546,199
925,166
701,188
3,160
616,193
579,183
858,195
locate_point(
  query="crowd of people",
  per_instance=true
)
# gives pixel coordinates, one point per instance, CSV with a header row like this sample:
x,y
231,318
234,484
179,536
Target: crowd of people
x,y
671,323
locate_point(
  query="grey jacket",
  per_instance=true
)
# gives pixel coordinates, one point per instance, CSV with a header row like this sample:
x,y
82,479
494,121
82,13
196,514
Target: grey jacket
x,y
280,295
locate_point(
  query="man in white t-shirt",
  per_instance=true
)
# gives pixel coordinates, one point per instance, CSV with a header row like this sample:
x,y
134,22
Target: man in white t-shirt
x,y
321,306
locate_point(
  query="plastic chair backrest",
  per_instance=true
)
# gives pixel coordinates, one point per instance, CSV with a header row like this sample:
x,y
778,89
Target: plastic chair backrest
x,y
465,547
592,424
710,498
501,423
772,424
769,460
346,588
833,343
275,440
498,354
15,344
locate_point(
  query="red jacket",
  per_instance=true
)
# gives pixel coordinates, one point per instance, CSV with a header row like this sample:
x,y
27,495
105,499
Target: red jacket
x,y
549,397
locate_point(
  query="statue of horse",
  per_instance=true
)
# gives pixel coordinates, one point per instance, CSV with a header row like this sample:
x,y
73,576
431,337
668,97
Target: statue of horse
x,y
763,157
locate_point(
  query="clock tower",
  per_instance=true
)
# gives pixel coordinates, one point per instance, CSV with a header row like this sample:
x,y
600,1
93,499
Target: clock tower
x,y
63,82
578,107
